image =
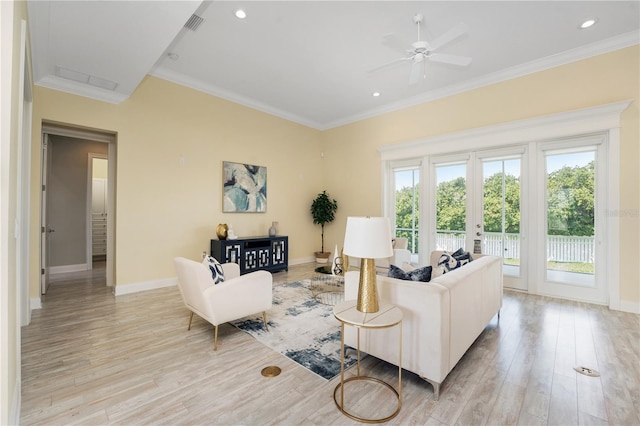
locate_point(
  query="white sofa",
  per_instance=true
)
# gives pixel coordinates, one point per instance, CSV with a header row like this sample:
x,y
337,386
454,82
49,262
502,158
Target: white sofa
x,y
441,318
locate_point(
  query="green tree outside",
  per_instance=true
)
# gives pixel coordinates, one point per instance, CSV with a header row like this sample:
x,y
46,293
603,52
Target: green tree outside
x,y
571,196
570,201
407,214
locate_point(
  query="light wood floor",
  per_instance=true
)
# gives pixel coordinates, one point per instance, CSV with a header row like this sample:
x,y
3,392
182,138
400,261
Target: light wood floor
x,y
90,358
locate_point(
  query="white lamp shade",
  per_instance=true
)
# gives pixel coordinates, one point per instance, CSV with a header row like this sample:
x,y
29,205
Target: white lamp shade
x,y
368,237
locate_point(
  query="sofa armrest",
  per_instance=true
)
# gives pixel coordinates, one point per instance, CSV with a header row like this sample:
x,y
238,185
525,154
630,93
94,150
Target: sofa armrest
x,y
425,326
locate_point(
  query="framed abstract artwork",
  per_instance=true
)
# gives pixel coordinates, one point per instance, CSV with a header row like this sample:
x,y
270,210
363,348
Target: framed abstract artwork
x,y
244,188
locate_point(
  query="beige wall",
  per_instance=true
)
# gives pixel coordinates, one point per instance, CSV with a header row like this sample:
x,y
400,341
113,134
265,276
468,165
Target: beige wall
x,y
166,209
353,166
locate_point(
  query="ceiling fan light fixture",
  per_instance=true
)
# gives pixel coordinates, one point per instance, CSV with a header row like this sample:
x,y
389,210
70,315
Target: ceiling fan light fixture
x,y
588,23
240,14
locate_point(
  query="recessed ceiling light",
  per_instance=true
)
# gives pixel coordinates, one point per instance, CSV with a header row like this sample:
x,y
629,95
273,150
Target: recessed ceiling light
x,y
376,94
588,23
240,14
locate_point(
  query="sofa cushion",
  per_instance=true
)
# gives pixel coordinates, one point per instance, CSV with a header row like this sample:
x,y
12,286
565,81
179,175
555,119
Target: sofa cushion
x,y
217,274
419,274
450,261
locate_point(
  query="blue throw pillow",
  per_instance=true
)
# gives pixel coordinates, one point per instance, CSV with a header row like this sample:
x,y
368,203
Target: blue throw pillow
x,y
217,273
419,274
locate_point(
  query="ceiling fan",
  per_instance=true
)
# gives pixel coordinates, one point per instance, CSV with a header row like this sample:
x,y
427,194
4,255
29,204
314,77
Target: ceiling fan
x,y
421,50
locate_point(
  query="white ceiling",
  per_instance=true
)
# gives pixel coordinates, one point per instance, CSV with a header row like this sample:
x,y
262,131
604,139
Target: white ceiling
x,y
308,61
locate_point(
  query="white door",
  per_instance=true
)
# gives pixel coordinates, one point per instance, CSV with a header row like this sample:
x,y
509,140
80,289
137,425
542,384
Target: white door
x,y
571,261
498,227
478,203
450,197
44,225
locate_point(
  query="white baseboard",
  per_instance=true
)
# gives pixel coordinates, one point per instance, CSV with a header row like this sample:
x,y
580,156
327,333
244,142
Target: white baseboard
x,y
121,289
631,307
68,268
35,303
302,260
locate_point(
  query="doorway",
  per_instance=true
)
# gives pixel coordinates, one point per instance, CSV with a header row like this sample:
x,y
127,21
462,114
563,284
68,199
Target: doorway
x,y
66,244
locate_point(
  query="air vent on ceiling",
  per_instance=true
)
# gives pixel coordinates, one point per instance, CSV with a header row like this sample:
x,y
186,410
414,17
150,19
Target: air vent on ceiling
x,y
81,77
194,22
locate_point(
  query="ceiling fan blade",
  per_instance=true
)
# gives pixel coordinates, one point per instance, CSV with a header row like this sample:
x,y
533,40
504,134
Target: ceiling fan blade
x,y
395,42
446,58
417,69
449,36
387,65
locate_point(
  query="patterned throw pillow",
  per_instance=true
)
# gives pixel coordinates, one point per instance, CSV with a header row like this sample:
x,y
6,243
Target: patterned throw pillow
x,y
216,269
450,261
418,274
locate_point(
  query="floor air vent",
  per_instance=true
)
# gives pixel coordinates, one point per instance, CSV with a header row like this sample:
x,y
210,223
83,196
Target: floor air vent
x,y
586,371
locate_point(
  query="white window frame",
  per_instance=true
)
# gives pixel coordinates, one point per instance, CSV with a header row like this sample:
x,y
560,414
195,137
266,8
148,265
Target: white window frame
x,y
604,118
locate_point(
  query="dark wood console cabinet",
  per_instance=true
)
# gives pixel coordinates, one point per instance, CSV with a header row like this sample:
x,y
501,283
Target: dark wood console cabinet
x,y
254,253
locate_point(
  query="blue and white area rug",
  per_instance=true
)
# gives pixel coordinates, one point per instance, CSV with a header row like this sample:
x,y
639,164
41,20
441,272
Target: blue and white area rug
x,y
301,329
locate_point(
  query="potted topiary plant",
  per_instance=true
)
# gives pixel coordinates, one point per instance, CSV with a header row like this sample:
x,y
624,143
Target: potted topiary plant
x,y
323,210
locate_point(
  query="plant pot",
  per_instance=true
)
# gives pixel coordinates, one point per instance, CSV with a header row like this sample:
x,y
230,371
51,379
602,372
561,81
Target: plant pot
x,y
322,257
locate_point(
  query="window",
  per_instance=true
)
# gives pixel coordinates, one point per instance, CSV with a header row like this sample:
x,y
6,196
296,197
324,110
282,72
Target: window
x,y
406,204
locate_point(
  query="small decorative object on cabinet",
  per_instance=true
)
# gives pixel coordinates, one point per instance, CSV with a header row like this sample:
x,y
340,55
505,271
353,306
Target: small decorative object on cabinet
x,y
273,231
221,231
253,253
231,235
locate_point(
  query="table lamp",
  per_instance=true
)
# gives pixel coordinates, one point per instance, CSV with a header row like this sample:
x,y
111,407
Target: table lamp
x,y
368,238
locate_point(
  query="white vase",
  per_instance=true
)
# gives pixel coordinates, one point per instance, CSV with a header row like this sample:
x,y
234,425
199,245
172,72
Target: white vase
x,y
336,264
273,231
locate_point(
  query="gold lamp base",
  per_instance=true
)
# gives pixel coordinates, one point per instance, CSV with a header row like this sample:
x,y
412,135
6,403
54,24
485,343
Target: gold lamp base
x,y
367,288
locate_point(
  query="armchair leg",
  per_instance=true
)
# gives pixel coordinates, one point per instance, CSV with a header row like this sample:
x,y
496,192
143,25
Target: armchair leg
x,y
190,319
215,338
264,318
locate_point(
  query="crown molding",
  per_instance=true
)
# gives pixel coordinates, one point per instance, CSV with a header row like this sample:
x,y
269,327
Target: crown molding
x,y
581,121
183,80
605,46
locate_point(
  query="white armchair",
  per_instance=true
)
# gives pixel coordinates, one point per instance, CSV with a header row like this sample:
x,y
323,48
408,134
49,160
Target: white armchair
x,y
236,297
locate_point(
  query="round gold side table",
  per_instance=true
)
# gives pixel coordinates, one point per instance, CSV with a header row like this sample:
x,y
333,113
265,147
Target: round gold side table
x,y
387,316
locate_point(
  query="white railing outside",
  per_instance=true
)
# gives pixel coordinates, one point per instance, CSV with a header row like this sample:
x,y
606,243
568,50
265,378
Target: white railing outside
x,y
450,240
560,248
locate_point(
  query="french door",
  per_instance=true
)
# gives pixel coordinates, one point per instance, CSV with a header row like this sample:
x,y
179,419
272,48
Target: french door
x,y
572,184
539,212
405,211
478,204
